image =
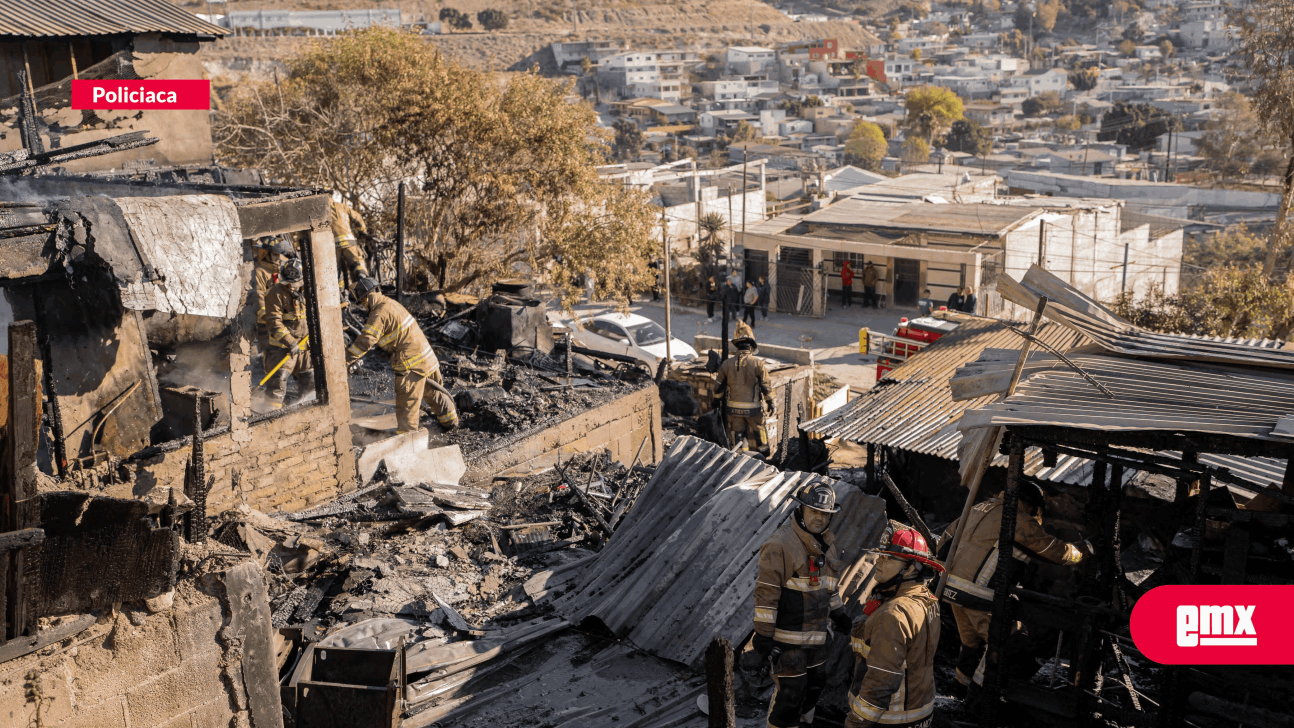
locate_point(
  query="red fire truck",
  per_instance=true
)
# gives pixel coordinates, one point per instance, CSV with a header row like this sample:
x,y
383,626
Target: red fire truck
x,y
908,339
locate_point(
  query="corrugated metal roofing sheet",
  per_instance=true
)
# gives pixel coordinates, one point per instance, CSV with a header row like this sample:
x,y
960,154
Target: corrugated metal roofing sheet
x,y
912,407
1148,395
681,568
38,18
1068,306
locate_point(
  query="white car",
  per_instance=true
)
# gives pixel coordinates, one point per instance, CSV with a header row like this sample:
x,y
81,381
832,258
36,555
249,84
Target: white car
x,y
630,334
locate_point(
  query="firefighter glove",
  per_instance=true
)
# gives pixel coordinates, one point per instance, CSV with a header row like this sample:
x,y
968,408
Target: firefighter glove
x,y
844,625
291,341
1087,548
763,645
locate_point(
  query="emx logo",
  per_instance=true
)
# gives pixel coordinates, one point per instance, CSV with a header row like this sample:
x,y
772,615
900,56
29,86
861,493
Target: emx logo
x,y
1215,625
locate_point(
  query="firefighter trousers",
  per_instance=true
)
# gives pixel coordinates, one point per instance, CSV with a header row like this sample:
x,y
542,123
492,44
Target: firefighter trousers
x,y
799,679
411,389
298,368
972,629
753,430
351,259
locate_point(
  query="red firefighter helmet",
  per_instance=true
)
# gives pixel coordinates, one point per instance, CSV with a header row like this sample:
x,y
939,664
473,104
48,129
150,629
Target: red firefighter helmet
x,y
907,543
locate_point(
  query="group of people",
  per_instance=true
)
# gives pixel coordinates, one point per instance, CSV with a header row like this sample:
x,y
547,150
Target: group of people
x,y
282,328
798,608
737,297
870,277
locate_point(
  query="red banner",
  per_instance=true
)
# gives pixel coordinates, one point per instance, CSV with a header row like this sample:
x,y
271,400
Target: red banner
x,y
142,95
1215,625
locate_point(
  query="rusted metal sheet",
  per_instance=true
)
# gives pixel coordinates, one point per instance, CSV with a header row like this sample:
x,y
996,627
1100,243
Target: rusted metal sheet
x,y
97,552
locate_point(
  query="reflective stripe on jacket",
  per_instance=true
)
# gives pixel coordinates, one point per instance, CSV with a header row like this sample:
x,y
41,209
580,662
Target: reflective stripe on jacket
x,y
743,380
796,589
894,678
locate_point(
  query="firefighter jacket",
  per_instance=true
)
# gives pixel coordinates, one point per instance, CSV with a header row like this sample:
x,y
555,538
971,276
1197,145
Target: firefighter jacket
x,y
976,559
894,681
285,316
795,591
744,381
262,278
344,221
394,331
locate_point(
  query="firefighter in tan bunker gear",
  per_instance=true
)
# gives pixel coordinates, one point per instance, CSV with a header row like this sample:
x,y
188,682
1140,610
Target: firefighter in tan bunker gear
x,y
894,645
350,256
743,382
285,319
265,273
797,605
417,371
971,568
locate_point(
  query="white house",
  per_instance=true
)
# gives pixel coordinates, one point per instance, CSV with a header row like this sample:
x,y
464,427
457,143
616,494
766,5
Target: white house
x,y
749,60
1207,35
770,121
899,69
1041,81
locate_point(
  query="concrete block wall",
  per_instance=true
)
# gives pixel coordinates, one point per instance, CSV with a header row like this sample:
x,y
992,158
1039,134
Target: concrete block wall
x,y
184,666
619,426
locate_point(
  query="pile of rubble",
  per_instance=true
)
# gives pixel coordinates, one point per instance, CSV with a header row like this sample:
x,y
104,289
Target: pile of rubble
x,y
439,565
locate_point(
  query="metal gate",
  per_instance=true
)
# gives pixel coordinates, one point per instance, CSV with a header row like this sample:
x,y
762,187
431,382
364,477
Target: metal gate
x,y
801,290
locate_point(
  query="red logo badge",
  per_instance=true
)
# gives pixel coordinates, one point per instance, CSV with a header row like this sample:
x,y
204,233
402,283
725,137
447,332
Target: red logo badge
x,y
145,95
1215,625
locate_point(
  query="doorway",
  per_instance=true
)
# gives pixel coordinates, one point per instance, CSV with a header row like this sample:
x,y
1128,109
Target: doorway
x,y
907,282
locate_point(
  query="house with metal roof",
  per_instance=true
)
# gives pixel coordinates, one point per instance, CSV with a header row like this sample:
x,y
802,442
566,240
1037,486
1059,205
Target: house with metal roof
x,y
46,44
919,239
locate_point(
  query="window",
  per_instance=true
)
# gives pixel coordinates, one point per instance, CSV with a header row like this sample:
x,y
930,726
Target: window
x,y
647,334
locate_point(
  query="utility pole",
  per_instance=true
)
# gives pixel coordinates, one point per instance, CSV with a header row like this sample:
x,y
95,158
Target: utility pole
x,y
1168,150
1042,238
696,185
731,230
664,238
399,246
1124,289
745,155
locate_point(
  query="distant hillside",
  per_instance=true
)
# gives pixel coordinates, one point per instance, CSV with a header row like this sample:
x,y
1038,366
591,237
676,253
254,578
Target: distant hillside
x,y
533,24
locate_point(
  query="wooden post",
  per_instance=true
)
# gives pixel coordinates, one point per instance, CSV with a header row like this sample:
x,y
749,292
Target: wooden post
x,y
718,684
20,454
399,246
664,237
1184,484
985,446
871,467
994,672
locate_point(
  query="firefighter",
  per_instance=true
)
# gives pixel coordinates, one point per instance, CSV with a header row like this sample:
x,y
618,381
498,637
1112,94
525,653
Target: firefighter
x,y
971,568
797,605
894,645
350,256
285,318
417,371
743,383
265,273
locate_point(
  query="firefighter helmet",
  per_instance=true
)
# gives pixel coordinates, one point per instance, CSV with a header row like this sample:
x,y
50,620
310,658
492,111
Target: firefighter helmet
x,y
283,248
819,497
291,271
745,342
906,543
1032,494
364,287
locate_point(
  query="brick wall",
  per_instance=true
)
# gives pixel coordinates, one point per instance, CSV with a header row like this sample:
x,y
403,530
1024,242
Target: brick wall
x,y
619,426
181,667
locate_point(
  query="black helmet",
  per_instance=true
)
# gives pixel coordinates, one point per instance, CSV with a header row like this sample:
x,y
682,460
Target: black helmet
x,y
819,497
291,271
745,342
1032,494
364,287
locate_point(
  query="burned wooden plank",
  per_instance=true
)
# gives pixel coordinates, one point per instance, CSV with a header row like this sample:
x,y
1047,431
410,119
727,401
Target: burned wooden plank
x,y
98,551
21,539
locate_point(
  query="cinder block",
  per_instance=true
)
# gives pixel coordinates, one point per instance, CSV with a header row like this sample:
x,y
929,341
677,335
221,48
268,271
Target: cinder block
x,y
173,692
110,713
197,630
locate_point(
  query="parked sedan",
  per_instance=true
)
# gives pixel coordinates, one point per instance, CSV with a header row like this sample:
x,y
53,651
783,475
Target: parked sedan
x,y
630,334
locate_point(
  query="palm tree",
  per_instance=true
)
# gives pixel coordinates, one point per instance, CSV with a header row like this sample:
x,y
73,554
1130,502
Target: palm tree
x,y
710,249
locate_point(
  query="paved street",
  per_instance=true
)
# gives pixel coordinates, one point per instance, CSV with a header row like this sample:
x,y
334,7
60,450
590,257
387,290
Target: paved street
x,y
833,338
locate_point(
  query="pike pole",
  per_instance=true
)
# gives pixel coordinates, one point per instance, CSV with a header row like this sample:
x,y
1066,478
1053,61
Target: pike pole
x,y
300,346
